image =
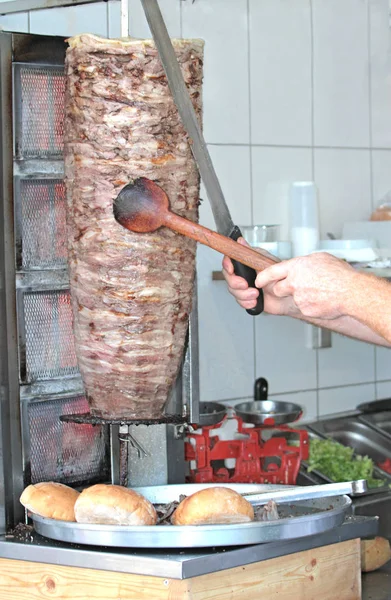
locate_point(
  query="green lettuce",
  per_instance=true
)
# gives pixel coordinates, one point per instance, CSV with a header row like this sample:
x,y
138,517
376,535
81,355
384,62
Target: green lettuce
x,y
339,463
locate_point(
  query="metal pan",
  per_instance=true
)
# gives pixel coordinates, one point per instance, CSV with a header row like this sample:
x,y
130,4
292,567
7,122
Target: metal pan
x,y
211,413
375,406
349,433
380,422
309,517
268,412
357,435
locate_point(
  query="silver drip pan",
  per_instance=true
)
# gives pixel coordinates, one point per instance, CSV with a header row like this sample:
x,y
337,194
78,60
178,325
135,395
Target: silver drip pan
x,y
308,517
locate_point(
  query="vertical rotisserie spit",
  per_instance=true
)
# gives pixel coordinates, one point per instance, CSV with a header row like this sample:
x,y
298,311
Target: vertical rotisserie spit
x,y
131,293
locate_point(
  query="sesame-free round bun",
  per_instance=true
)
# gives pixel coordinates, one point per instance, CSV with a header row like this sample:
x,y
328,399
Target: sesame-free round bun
x,y
114,505
51,500
213,506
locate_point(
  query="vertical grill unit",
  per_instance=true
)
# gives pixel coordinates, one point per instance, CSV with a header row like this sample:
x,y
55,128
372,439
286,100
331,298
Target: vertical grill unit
x,y
47,433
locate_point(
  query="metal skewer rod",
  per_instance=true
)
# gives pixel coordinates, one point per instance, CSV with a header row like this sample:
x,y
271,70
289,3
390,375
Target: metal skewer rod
x,y
308,492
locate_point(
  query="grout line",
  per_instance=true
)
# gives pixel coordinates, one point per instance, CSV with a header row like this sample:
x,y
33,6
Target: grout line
x,y
252,220
302,147
317,404
250,112
108,20
370,124
28,22
291,392
312,91
249,73
251,164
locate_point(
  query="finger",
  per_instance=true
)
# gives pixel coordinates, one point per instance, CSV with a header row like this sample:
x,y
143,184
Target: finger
x,y
273,273
247,304
244,295
227,265
235,282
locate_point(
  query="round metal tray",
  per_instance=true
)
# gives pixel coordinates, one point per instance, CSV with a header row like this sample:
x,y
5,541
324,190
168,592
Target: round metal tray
x,y
211,413
309,517
262,411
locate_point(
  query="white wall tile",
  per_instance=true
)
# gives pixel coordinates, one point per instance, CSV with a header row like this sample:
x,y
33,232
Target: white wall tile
x,y
225,336
381,173
346,362
223,25
232,165
280,72
343,399
281,355
273,169
341,74
383,390
380,53
307,400
138,22
383,363
18,22
344,183
70,20
235,401
114,19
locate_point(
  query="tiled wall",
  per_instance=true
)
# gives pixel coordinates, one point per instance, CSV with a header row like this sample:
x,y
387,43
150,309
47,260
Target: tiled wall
x,y
294,89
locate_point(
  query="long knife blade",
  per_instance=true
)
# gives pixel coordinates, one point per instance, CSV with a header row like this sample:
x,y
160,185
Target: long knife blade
x,y
197,142
188,115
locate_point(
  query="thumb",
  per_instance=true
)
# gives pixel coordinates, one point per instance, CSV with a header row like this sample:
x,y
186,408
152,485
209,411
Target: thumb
x,y
242,241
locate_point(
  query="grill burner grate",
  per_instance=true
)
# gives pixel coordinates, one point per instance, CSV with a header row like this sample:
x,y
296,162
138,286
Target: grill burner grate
x,y
87,418
40,112
49,344
62,451
42,224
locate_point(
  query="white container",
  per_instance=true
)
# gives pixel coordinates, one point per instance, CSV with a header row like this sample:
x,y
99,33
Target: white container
x,y
303,217
354,251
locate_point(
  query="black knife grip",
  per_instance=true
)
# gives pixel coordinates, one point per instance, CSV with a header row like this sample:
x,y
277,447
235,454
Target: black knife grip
x,y
248,274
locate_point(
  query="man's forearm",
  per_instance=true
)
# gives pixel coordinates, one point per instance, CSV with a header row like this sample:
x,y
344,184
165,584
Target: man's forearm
x,y
350,327
370,304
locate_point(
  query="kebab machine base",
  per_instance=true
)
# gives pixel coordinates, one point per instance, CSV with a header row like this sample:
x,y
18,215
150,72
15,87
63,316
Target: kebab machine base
x,y
325,566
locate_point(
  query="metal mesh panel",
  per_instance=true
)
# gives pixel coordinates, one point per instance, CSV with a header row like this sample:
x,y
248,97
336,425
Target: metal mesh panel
x,y
43,224
41,119
49,342
65,452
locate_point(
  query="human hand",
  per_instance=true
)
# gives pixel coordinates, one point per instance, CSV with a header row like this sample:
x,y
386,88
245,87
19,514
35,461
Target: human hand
x,y
237,286
318,286
314,287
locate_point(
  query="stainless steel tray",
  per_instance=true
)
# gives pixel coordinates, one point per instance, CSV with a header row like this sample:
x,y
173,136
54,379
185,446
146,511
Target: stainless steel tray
x,y
381,422
359,436
351,432
310,517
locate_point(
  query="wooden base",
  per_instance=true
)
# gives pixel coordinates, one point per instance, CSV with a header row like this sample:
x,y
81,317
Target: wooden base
x,y
321,574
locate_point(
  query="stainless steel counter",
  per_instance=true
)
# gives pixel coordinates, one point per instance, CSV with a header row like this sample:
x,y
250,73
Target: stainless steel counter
x,y
178,564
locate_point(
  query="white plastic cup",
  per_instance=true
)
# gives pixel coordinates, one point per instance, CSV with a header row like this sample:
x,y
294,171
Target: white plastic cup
x,y
303,217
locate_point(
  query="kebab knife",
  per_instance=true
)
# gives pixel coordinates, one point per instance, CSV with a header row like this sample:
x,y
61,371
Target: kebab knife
x,y
198,146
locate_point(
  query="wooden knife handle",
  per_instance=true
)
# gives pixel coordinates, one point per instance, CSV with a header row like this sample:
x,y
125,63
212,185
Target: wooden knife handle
x,y
218,242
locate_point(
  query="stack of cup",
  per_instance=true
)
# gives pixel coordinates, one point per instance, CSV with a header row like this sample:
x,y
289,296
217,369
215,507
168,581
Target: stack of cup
x,y
304,217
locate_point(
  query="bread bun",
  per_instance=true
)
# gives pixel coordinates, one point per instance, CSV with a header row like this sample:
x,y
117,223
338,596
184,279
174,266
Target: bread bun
x,y
212,506
374,554
51,500
114,505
